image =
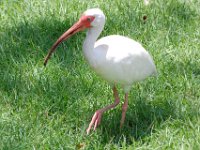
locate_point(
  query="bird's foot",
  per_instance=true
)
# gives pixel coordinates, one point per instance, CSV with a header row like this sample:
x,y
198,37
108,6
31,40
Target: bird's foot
x,y
96,119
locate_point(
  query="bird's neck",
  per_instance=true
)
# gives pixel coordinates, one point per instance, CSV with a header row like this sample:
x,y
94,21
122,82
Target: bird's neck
x,y
91,37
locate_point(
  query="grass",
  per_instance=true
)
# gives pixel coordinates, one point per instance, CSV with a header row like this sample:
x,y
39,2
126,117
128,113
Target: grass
x,y
50,108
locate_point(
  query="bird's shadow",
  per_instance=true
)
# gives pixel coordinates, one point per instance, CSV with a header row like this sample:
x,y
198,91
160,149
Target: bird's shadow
x,y
24,48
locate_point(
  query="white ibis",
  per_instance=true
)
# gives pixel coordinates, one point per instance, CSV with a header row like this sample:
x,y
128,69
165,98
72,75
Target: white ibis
x,y
117,59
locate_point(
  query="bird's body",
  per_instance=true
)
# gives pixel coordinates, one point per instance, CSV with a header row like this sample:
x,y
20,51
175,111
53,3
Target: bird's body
x,y
117,59
120,60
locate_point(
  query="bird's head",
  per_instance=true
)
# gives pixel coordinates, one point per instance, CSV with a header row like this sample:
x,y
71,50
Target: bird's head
x,y
89,19
97,14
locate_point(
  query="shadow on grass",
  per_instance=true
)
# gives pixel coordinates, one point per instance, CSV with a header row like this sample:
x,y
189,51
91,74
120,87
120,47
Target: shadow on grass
x,y
142,118
32,40
29,42
26,45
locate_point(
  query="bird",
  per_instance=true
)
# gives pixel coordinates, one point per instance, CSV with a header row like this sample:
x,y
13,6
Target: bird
x,y
118,59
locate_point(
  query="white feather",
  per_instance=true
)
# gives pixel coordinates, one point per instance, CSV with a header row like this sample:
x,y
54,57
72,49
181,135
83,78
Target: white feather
x,y
118,59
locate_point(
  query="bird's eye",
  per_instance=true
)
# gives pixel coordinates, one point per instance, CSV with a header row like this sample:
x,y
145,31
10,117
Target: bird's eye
x,y
89,19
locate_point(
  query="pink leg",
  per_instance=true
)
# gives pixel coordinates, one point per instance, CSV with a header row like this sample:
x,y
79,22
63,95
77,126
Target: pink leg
x,y
96,119
124,109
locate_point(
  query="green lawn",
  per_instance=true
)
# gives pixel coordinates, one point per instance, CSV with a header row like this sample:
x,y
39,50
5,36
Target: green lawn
x,y
50,108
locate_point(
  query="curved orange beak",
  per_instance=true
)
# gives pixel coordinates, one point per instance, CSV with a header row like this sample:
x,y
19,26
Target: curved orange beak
x,y
84,22
79,26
